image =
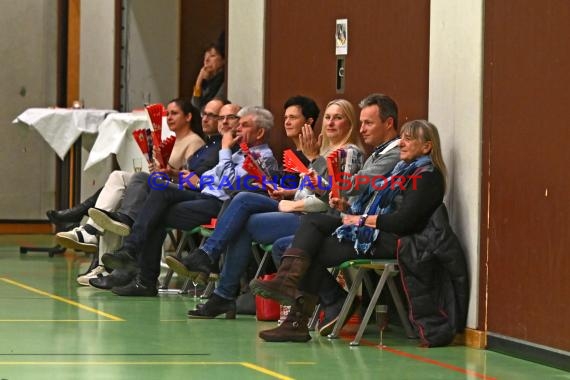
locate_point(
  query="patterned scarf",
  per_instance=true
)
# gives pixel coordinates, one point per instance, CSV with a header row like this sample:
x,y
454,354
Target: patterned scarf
x,y
369,203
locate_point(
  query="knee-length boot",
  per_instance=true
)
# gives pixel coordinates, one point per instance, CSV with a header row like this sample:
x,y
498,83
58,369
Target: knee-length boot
x,y
283,287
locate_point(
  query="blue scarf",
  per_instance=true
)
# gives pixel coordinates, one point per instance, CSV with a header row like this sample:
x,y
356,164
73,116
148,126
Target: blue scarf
x,y
369,203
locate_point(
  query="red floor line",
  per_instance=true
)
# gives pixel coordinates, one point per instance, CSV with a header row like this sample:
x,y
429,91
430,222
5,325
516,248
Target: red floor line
x,y
419,358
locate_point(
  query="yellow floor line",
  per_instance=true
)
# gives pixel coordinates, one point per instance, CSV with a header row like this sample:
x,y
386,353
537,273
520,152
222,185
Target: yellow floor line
x,y
87,363
57,320
82,363
61,299
266,371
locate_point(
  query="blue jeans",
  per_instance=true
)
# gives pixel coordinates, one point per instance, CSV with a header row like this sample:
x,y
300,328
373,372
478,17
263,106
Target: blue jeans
x,y
250,217
233,220
279,247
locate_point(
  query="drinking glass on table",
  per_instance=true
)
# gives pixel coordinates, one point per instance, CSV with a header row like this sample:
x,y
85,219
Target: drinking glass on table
x,y
137,165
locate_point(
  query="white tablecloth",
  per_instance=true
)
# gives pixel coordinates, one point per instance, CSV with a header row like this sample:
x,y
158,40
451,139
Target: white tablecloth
x,y
61,127
115,136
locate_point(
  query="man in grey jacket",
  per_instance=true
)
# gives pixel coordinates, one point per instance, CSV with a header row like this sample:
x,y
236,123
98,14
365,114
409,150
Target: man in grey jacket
x,y
378,128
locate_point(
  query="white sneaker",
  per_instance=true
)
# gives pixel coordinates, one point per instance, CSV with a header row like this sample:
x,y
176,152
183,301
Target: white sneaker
x,y
78,239
84,280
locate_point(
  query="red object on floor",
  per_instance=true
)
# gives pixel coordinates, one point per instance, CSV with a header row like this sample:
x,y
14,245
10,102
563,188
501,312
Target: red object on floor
x,y
267,309
352,325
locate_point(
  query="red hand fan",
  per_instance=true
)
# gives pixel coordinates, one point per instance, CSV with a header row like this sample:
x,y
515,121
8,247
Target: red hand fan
x,y
252,167
334,165
292,163
155,112
166,149
140,138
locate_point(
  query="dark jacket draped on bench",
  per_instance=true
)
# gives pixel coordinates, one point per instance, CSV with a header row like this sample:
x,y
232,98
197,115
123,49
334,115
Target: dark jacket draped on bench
x,y
434,274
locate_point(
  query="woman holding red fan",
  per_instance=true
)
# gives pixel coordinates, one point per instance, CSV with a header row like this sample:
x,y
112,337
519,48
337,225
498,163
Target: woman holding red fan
x,y
184,120
250,214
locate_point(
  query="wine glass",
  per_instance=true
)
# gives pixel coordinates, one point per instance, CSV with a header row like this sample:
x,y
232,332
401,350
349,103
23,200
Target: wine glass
x,y
195,283
137,165
381,319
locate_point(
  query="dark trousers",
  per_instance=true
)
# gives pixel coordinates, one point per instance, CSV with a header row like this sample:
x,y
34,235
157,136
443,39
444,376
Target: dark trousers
x,y
135,195
183,209
314,238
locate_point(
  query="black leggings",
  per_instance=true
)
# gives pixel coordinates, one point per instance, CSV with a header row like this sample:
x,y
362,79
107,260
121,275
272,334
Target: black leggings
x,y
314,238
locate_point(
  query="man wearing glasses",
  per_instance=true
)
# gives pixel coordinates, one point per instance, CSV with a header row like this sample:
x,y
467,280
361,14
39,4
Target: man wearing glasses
x,y
120,221
187,209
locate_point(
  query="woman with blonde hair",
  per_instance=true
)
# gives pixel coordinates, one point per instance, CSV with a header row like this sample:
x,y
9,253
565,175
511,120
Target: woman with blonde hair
x,y
339,131
255,217
389,209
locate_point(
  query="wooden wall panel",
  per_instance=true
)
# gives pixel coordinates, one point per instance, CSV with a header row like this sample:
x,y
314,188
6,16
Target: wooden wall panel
x,y
388,52
525,241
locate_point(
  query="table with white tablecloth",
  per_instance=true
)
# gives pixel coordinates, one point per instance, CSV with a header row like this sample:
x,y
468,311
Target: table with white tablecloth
x,y
115,137
61,127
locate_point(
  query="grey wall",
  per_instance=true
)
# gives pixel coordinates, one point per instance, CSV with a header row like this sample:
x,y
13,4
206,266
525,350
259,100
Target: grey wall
x,y
152,54
28,47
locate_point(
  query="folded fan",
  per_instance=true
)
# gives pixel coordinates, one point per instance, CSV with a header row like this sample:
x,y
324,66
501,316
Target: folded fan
x,y
252,166
335,162
166,148
292,163
142,141
155,112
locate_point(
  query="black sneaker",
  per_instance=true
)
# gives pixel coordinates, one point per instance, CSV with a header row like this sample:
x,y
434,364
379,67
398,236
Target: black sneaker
x,y
136,288
196,265
120,259
115,222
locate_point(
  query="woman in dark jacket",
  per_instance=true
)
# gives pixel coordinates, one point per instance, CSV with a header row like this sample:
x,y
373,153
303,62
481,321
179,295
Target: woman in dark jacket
x,y
399,205
210,80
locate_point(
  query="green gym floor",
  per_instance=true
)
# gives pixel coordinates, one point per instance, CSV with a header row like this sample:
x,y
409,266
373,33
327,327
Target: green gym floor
x,y
52,328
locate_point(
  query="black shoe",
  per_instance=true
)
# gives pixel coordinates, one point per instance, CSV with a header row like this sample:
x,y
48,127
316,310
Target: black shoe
x,y
118,278
121,259
136,288
332,313
70,215
196,265
74,214
115,222
215,306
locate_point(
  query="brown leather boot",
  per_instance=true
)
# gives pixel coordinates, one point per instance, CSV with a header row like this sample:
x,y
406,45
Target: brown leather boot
x,y
295,327
283,287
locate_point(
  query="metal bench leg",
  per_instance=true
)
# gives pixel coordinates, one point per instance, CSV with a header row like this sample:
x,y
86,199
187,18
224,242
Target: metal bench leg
x,y
262,264
401,310
388,270
347,303
184,240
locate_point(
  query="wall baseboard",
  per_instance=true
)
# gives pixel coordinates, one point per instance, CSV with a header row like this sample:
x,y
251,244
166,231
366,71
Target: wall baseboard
x,y
549,356
27,227
472,338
